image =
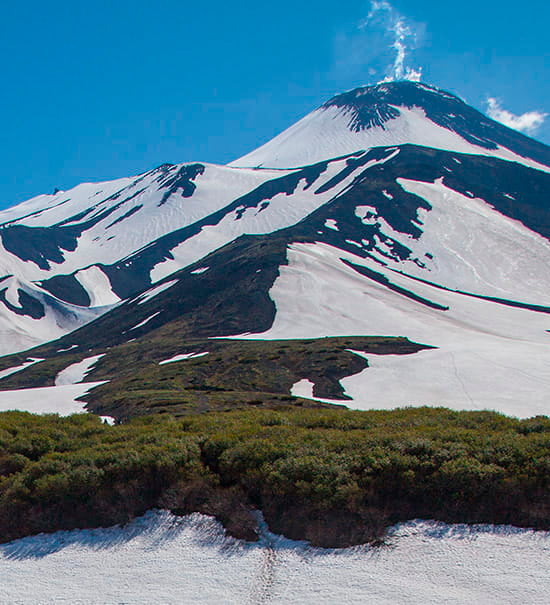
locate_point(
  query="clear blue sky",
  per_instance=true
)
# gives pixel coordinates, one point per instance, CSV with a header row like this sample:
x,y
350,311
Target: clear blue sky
x,y
98,90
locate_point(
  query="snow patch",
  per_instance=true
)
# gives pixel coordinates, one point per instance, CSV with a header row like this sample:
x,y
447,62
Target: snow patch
x,y
27,364
98,287
60,400
147,296
182,357
303,388
199,271
67,349
76,372
146,320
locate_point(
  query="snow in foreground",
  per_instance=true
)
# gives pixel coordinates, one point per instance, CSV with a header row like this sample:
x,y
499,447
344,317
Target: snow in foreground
x,y
160,558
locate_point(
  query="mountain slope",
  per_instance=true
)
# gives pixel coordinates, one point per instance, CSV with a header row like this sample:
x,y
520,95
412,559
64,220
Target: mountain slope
x,y
95,249
444,243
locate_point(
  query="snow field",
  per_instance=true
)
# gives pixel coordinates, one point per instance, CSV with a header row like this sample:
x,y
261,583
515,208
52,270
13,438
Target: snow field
x,y
106,242
488,356
160,558
475,248
21,332
283,211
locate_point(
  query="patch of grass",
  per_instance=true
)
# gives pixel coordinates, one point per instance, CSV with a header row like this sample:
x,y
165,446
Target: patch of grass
x,y
233,372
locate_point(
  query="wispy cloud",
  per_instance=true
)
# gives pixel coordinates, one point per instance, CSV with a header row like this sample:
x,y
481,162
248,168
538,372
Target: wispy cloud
x,y
528,122
403,35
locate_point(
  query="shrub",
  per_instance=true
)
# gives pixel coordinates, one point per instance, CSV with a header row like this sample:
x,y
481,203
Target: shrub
x,y
336,477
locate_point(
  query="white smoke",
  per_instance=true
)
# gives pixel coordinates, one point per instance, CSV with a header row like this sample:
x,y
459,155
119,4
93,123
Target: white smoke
x,y
403,38
528,122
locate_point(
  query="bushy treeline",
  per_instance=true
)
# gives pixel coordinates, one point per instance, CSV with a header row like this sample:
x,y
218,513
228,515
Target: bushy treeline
x,y
335,477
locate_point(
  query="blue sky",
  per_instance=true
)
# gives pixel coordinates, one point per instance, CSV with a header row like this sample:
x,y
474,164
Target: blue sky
x,y
99,90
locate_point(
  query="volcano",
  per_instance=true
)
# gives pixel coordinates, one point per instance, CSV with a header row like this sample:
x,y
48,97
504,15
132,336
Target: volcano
x,y
389,249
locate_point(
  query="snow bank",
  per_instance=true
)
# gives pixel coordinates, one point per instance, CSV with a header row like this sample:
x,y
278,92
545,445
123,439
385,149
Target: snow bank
x,y
163,559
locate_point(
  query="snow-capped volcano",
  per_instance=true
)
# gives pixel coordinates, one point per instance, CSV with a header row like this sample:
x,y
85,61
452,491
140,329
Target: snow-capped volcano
x,y
393,210
394,113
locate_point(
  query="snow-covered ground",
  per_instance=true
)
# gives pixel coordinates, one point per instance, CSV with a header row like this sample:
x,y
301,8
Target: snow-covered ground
x,y
117,219
60,399
304,388
460,230
19,332
488,355
95,233
160,558
118,234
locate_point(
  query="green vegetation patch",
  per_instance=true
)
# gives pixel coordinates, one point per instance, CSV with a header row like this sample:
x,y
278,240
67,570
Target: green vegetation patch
x,y
235,373
334,477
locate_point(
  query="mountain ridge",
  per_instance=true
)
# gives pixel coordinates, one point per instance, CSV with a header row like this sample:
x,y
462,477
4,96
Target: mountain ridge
x,y
444,245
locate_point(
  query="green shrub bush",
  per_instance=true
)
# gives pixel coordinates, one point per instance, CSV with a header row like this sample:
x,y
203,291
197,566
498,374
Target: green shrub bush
x,y
335,477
